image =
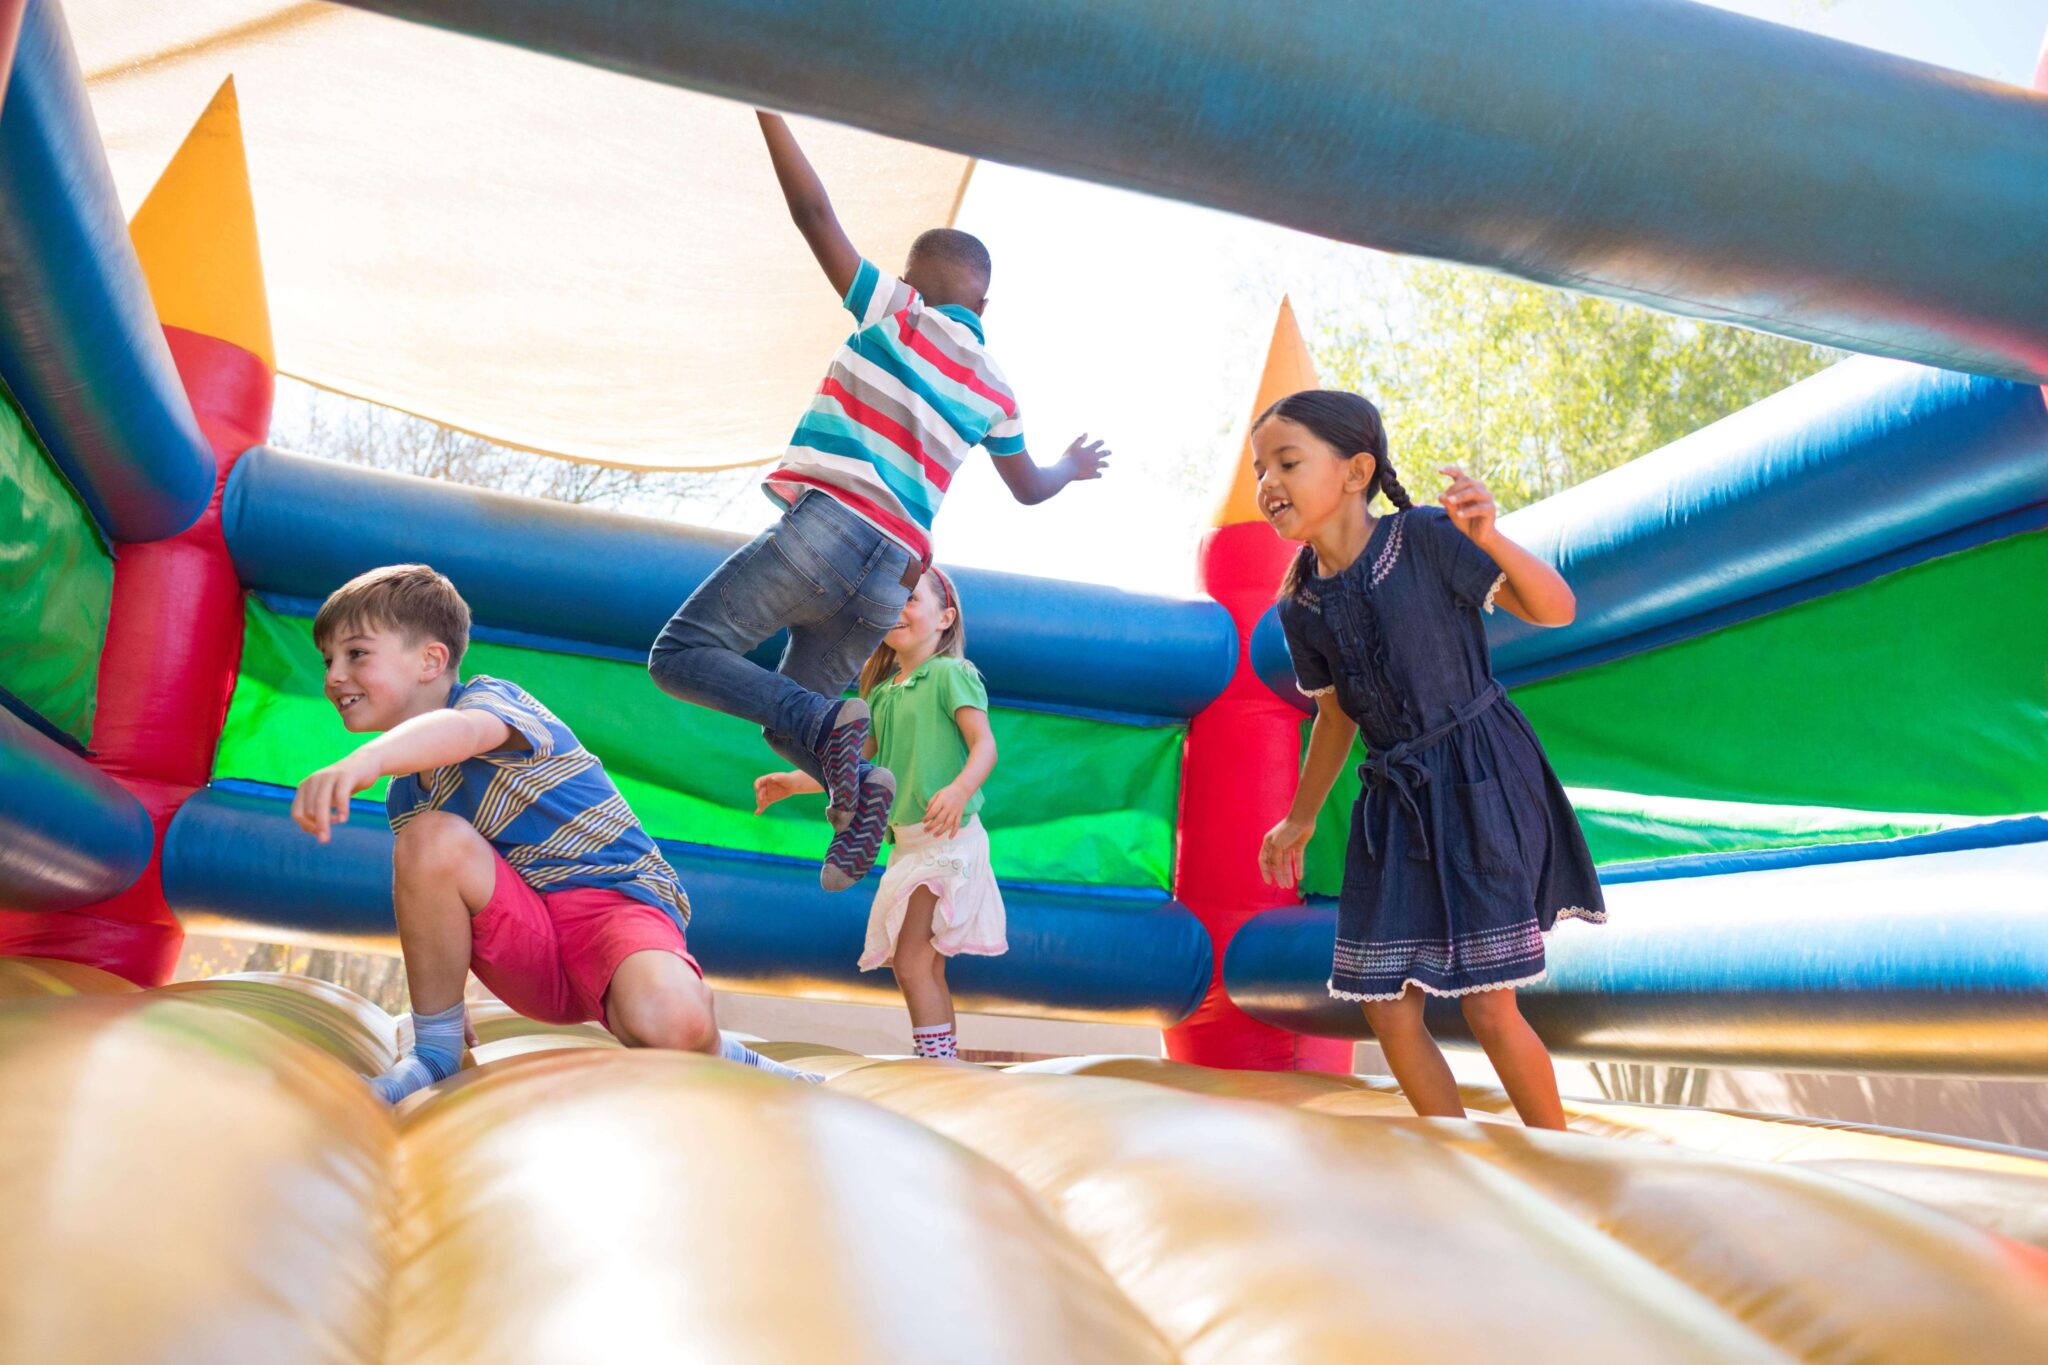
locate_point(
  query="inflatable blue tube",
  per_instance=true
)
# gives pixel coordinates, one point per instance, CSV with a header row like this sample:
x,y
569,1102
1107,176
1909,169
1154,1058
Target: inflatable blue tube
x,y
757,923
1667,153
1868,467
80,344
301,527
1930,964
70,836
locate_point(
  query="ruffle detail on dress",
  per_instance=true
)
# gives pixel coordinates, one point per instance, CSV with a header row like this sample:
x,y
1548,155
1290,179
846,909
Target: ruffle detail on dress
x,y
1390,553
1494,592
1438,991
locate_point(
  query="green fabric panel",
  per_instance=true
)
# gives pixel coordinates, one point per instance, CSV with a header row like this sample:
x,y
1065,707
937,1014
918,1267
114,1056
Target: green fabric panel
x,y
1071,800
56,584
1924,690
1915,702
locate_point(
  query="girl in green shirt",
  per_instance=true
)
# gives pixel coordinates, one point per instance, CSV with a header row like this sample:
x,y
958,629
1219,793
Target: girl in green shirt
x,y
938,897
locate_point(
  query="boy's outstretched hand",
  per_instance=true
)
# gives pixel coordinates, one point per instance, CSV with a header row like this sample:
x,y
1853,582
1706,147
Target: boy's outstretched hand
x,y
1085,459
322,799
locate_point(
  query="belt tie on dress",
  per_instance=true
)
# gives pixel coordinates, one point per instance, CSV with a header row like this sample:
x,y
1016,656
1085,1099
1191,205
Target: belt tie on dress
x,y
1400,768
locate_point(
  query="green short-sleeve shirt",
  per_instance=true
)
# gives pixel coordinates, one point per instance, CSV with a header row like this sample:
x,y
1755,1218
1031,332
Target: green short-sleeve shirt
x,y
916,737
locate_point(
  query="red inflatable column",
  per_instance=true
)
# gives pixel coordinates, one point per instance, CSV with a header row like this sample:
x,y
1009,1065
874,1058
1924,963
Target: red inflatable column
x,y
1243,754
174,634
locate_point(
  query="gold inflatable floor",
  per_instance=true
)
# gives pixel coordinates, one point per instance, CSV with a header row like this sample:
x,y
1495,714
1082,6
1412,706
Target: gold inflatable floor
x,y
198,1174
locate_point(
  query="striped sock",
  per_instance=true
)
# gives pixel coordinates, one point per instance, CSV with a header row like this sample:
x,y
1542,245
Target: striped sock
x,y
934,1040
733,1050
436,1054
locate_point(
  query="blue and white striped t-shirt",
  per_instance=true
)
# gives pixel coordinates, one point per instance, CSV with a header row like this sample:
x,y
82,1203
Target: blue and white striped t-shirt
x,y
550,809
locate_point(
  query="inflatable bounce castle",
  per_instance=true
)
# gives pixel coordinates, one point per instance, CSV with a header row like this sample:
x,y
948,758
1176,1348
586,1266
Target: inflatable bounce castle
x,y
1803,714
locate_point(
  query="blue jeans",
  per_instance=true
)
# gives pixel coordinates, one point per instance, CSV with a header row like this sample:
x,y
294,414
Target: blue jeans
x,y
833,580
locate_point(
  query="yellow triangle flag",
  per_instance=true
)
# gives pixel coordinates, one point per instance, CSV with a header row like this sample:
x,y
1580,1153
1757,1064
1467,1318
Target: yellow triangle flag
x,y
196,236
1289,369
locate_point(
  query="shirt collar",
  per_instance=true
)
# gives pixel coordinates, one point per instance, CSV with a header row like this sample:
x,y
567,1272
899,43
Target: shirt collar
x,y
966,317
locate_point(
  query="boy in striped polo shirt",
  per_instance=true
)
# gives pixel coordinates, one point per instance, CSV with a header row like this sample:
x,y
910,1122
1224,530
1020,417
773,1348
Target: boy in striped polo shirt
x,y
516,856
907,398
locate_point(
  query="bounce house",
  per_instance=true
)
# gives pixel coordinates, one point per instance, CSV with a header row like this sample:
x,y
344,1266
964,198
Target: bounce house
x,y
1802,713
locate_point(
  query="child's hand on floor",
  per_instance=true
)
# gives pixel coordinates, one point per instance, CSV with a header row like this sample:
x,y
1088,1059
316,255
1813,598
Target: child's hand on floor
x,y
1280,853
322,799
942,813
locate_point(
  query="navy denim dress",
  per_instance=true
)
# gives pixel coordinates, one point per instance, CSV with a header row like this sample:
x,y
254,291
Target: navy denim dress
x,y
1463,850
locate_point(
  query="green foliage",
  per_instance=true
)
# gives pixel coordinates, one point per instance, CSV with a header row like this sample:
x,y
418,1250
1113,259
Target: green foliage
x,y
1532,389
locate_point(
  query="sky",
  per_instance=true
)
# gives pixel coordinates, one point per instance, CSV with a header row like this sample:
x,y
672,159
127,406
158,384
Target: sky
x,y
1143,322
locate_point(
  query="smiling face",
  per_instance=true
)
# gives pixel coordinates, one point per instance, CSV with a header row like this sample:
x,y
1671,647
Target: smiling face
x,y
376,677
1304,480
924,620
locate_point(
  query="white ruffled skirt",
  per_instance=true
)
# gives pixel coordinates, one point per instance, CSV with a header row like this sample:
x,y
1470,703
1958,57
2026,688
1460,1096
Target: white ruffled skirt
x,y
969,915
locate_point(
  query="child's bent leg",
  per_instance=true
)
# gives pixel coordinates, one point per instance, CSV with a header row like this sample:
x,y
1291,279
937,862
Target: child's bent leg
x,y
1416,1061
443,875
656,1000
1518,1055
700,655
921,975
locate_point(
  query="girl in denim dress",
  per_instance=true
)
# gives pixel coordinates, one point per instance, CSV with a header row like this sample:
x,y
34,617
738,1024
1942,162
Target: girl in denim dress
x,y
1463,849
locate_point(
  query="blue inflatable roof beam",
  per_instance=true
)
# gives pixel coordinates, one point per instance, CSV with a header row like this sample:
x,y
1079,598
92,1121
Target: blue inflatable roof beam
x,y
1863,469
80,344
301,527
758,924
70,836
1924,964
1669,154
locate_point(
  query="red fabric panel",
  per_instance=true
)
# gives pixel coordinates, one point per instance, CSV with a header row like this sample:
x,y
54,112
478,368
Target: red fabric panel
x,y
174,642
1237,781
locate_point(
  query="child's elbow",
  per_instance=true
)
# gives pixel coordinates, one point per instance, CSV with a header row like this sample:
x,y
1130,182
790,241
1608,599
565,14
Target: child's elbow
x,y
1563,611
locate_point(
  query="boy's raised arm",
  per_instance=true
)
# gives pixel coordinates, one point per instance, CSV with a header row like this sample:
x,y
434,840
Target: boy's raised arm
x,y
809,206
1031,483
420,744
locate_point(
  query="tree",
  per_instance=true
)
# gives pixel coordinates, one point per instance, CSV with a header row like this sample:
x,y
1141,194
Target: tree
x,y
1534,389
343,428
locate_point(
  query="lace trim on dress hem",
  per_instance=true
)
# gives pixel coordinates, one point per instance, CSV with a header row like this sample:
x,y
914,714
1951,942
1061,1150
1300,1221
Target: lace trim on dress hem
x,y
1494,592
1437,991
1315,691
1581,912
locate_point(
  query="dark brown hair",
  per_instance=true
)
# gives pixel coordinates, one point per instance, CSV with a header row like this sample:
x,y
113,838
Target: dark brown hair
x,y
411,599
1350,425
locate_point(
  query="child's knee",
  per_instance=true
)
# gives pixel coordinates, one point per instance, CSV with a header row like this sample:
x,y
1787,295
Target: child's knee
x,y
436,843
1489,1012
666,1016
1393,1017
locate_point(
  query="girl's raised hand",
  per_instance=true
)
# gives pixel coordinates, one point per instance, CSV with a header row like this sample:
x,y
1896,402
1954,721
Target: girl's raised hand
x,y
1470,505
1280,853
773,787
942,812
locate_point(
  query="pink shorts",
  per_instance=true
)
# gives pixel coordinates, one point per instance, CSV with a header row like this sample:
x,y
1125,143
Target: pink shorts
x,y
551,957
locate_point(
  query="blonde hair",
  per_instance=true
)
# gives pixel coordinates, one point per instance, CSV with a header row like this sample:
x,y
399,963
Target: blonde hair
x,y
952,640
411,599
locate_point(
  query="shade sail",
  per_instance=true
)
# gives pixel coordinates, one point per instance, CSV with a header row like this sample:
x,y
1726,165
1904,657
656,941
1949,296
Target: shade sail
x,y
544,254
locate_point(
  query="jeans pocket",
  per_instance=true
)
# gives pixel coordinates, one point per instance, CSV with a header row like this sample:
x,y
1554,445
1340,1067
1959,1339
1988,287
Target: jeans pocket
x,y
775,585
1484,841
881,595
